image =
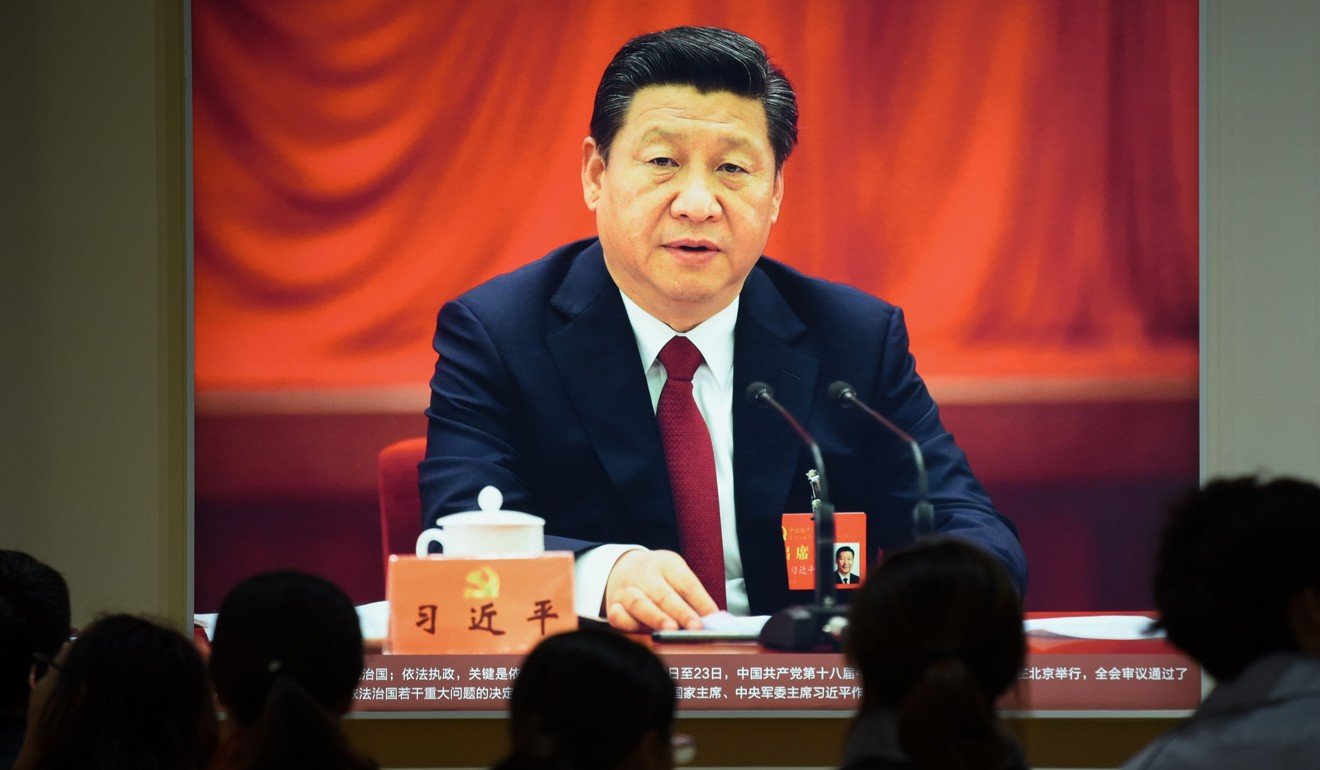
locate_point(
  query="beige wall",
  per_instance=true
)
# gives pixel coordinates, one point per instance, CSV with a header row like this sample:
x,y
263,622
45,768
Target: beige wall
x,y
1260,224
92,444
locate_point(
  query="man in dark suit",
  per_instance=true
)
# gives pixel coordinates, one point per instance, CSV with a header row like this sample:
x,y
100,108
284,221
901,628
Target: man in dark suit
x,y
601,386
843,566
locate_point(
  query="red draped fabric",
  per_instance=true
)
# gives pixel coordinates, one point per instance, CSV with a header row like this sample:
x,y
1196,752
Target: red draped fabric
x,y
1021,176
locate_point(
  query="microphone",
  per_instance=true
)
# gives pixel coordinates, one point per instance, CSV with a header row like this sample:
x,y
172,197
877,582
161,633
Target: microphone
x,y
923,515
762,395
806,627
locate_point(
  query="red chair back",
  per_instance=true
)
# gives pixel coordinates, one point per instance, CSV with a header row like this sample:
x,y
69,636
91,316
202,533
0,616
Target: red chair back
x,y
400,502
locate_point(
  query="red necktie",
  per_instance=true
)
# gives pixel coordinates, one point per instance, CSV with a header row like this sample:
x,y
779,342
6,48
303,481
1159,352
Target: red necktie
x,y
691,461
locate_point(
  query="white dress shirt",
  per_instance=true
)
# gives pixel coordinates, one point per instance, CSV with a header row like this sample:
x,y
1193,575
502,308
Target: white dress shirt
x,y
712,389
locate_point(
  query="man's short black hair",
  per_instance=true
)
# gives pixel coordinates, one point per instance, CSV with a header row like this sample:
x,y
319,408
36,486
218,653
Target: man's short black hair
x,y
710,60
1233,556
34,618
847,548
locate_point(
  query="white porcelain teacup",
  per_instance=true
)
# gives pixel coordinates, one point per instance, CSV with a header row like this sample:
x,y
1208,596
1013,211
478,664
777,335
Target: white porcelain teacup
x,y
489,530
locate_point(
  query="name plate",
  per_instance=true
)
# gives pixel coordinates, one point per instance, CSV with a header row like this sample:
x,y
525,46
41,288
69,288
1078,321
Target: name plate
x,y
478,604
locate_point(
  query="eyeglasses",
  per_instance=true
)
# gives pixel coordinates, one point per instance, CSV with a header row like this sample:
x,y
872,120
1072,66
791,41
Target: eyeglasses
x,y
46,663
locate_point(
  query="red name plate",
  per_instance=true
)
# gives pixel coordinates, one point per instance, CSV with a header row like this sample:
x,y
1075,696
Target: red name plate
x,y
478,604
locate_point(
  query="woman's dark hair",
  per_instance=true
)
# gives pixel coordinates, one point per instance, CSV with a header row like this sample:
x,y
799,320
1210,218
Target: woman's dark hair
x,y
708,59
34,618
936,631
585,700
286,658
1232,558
129,693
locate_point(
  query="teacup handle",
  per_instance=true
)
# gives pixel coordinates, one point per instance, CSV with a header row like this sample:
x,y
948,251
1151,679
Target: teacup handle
x,y
428,536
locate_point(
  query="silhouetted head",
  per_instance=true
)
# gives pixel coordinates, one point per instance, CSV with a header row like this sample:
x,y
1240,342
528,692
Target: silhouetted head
x,y
936,631
34,619
592,700
1238,572
285,627
127,693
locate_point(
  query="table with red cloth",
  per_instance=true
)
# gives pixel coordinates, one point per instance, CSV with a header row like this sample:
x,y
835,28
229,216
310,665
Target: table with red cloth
x,y
1061,674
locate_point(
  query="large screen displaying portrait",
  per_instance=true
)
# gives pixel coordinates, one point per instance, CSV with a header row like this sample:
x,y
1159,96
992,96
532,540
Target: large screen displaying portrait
x,y
1021,178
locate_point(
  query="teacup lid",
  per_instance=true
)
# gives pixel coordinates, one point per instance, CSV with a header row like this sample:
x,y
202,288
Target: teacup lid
x,y
490,499
489,502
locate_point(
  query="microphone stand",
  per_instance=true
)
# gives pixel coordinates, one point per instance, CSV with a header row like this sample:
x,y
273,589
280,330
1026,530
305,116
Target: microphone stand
x,y
821,623
923,515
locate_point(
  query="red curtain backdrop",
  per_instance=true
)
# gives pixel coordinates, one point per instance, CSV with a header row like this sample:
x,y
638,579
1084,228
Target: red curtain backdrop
x,y
1020,176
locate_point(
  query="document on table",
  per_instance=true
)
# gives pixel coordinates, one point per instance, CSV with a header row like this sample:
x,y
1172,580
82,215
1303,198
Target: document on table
x,y
1115,627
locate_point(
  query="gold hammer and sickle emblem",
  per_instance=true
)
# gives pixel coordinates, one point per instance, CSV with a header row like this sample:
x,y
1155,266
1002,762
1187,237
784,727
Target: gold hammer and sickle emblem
x,y
482,584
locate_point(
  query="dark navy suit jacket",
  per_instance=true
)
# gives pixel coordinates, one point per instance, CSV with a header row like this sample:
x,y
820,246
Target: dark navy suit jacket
x,y
540,392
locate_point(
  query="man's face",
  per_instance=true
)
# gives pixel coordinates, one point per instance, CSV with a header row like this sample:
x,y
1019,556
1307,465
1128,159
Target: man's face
x,y
41,690
685,204
843,560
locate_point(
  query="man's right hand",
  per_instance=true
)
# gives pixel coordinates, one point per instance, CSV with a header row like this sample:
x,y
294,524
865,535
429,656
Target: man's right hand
x,y
655,590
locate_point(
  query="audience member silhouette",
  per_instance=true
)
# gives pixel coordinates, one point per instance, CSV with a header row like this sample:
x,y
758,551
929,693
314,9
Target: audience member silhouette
x,y
591,700
286,657
936,632
34,620
126,694
1237,585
